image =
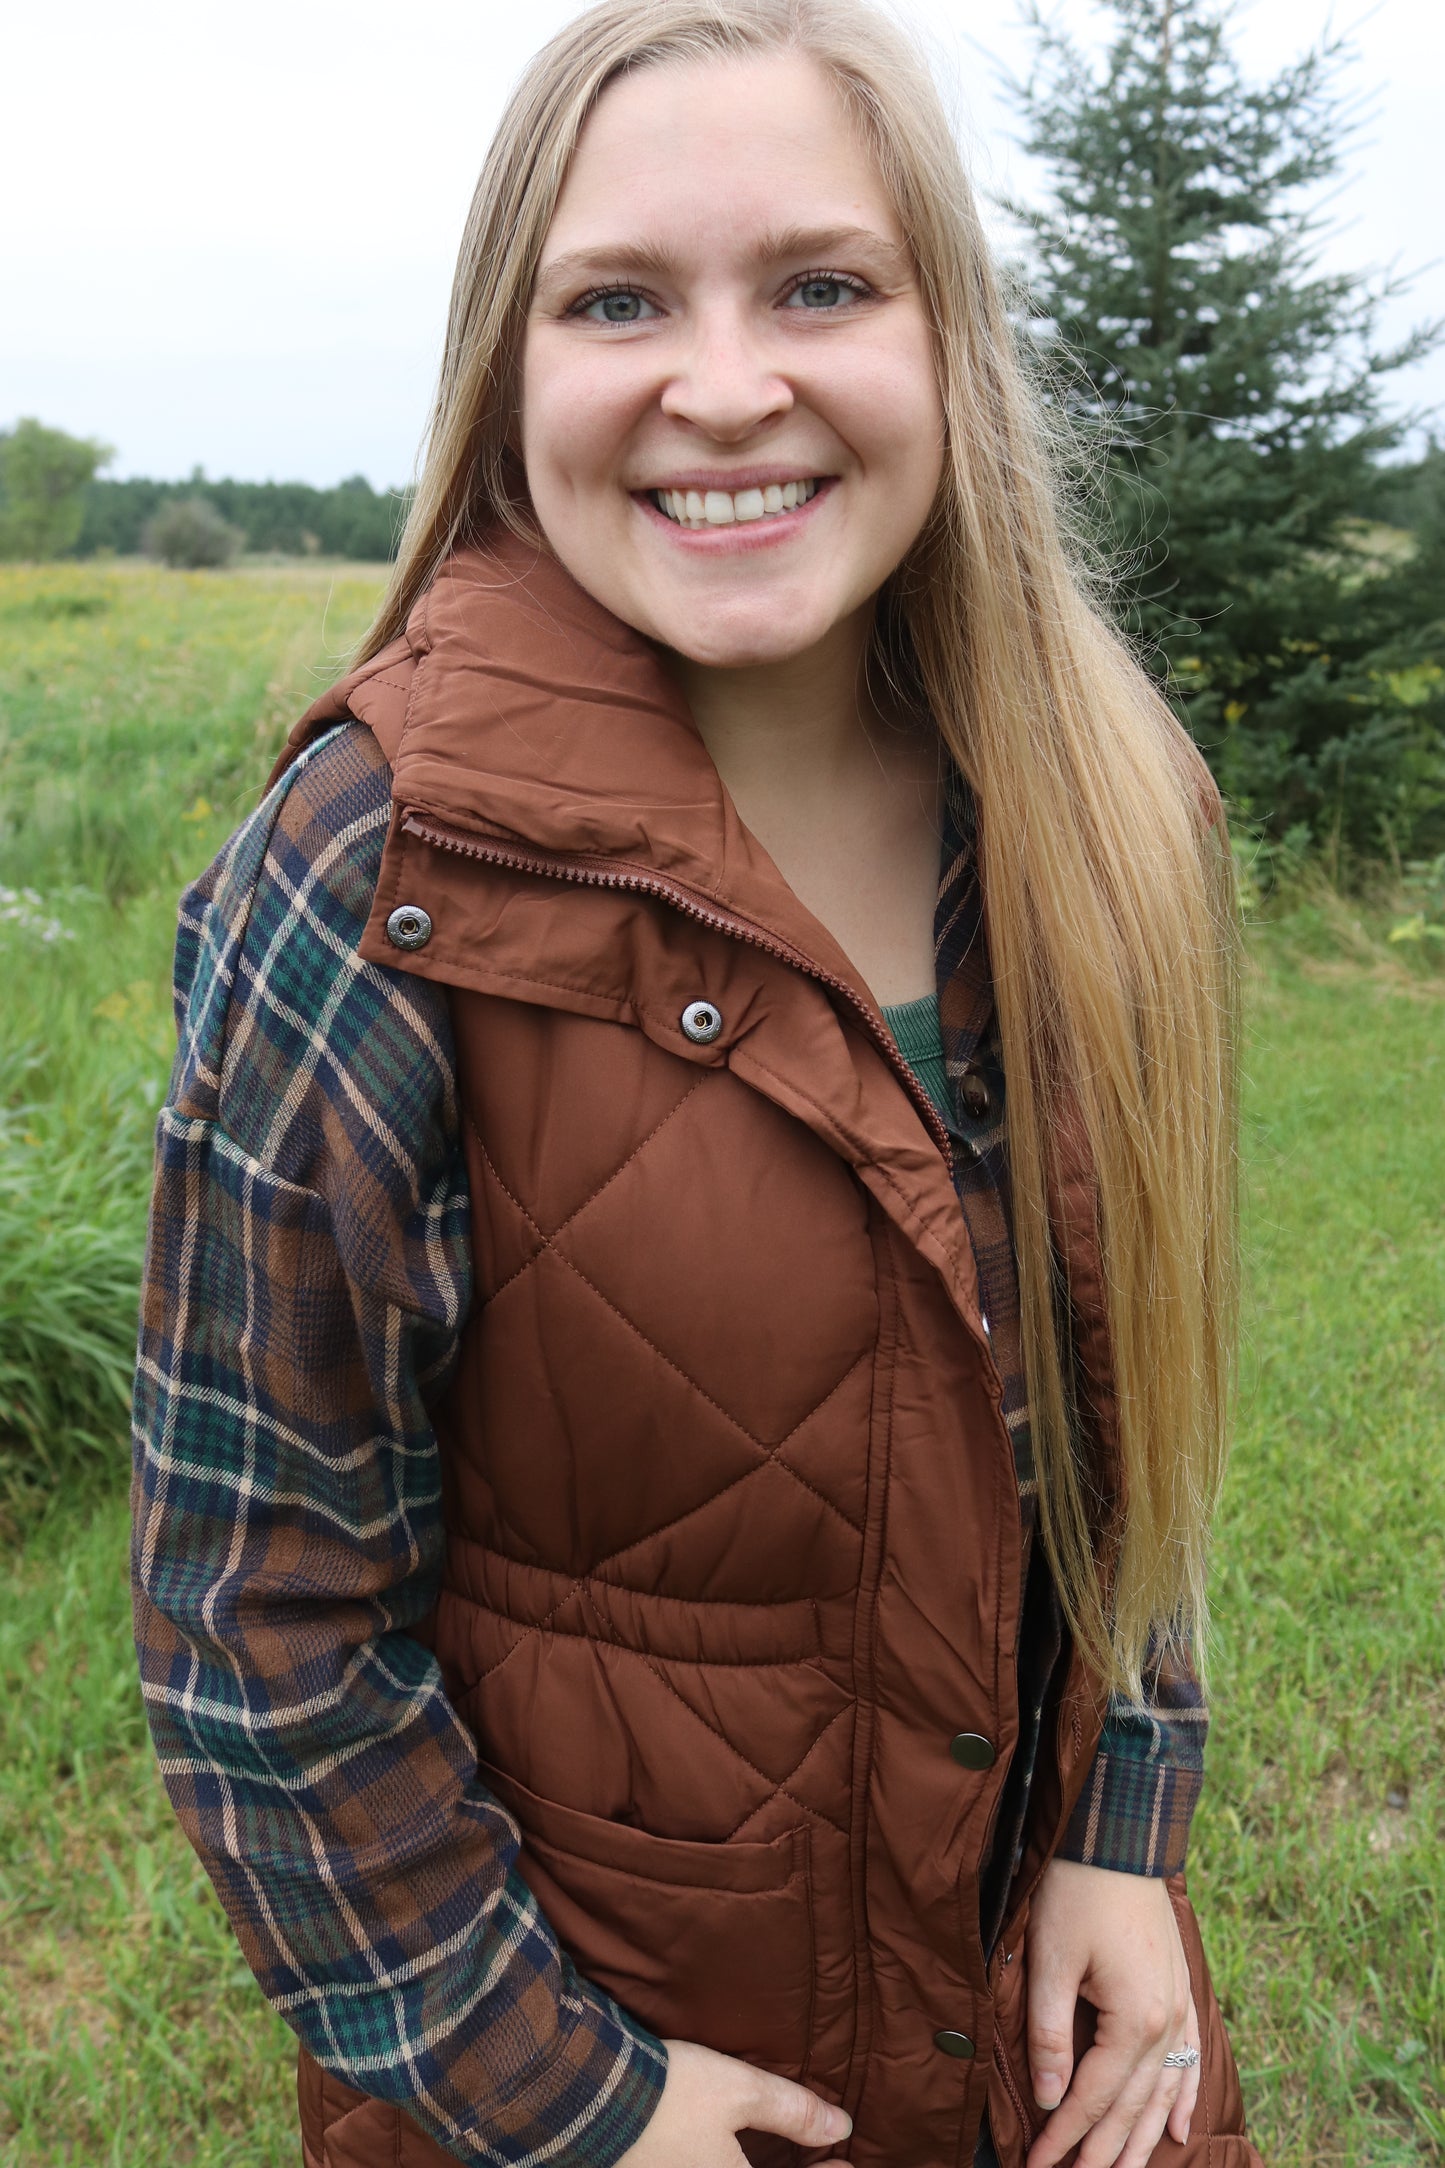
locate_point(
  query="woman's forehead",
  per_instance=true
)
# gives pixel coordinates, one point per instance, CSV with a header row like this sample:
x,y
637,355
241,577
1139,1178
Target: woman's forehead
x,y
757,149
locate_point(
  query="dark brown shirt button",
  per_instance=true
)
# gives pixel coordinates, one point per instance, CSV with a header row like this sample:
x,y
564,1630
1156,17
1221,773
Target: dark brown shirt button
x,y
971,1750
954,2043
975,1094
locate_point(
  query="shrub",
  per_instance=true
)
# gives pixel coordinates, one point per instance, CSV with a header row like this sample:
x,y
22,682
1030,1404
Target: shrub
x,y
189,533
43,478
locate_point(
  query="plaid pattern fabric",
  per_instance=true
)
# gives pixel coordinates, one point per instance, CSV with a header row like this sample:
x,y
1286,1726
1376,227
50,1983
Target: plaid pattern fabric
x,y
307,1277
307,1274
1135,1810
980,1157
1137,1805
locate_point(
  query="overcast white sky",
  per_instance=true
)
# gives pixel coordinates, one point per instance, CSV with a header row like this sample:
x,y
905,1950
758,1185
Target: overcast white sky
x,y
227,234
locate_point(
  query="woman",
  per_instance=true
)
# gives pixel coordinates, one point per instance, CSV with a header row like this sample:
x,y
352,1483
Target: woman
x,y
669,1528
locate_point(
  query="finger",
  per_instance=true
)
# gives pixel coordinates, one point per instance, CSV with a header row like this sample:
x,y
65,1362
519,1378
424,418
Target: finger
x,y
1182,2112
1110,2090
1112,2134
1053,1998
775,2104
1149,2125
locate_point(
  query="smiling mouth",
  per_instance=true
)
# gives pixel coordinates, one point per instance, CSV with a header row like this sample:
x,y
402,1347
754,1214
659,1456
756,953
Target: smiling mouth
x,y
728,508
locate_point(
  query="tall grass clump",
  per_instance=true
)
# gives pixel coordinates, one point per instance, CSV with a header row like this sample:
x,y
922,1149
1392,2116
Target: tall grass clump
x,y
140,711
1312,905
70,1231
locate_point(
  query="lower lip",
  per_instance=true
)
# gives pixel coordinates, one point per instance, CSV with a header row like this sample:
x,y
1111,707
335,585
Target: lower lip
x,y
744,536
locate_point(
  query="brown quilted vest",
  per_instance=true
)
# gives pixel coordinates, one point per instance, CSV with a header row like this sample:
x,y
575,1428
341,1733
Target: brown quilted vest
x,y
734,1529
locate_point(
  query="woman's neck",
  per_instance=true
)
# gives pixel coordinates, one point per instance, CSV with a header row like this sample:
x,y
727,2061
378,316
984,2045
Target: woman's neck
x,y
846,802
794,729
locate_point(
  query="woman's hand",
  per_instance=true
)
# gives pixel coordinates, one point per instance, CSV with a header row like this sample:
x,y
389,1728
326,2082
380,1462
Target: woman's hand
x,y
1112,1939
708,2098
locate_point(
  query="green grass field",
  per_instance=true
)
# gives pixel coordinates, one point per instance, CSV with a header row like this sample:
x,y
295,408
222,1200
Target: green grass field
x,y
138,712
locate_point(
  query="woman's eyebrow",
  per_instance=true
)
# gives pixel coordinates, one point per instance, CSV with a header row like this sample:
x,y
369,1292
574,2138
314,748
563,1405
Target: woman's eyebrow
x,y
624,259
809,243
822,243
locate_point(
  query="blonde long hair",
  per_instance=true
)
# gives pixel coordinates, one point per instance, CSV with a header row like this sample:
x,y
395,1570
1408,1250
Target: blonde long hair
x,y
1111,921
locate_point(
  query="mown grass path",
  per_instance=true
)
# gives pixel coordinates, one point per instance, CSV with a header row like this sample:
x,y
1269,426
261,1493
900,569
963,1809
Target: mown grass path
x,y
137,712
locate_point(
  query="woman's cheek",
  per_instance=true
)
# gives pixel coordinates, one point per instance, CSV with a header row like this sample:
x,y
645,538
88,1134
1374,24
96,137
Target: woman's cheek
x,y
578,412
887,409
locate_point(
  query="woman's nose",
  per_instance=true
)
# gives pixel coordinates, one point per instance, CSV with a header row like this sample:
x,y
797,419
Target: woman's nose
x,y
726,384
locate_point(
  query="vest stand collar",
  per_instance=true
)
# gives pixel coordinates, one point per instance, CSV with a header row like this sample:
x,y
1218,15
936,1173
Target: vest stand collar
x,y
516,706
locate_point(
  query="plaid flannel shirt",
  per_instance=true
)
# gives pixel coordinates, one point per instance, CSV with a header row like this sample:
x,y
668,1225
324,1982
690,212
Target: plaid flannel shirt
x,y
1137,1804
307,1278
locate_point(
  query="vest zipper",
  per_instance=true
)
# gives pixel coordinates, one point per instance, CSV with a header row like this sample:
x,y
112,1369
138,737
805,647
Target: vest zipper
x,y
1010,2086
602,873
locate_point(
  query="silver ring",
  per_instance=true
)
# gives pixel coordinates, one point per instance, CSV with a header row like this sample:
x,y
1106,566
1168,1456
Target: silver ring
x,y
1182,2059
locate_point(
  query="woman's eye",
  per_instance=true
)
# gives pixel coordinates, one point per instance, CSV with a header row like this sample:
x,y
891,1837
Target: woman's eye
x,y
620,306
825,293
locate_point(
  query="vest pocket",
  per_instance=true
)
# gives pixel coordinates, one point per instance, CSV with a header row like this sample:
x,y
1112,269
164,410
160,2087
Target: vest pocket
x,y
704,1942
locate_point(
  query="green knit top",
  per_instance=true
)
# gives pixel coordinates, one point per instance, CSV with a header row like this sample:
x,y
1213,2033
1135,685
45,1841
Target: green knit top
x,y
915,1025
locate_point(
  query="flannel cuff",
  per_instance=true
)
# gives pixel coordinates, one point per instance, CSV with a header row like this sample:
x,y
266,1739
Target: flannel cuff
x,y
1134,1812
589,2105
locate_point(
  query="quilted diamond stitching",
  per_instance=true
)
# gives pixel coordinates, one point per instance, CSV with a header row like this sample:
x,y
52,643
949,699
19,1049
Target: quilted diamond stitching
x,y
592,1195
702,1506
771,1455
549,1242
779,1789
769,1451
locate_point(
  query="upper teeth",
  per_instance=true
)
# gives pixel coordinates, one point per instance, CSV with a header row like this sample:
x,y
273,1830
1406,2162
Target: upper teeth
x,y
724,508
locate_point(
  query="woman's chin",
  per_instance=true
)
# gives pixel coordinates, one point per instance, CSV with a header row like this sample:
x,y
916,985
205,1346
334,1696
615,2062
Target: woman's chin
x,y
734,643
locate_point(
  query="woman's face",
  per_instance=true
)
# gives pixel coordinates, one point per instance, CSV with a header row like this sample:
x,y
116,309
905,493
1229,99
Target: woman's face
x,y
730,420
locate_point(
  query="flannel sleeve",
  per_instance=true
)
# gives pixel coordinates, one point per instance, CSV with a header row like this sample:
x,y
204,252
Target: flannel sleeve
x,y
307,1274
1135,1809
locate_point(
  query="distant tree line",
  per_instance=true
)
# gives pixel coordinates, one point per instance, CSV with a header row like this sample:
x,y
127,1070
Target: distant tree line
x,y
55,503
351,520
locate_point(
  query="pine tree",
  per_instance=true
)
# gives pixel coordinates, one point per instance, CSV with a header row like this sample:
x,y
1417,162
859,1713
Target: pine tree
x,y
1233,394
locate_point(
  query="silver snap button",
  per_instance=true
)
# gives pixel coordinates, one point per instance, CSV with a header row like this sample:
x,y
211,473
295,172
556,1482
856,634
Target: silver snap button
x,y
409,927
701,1022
